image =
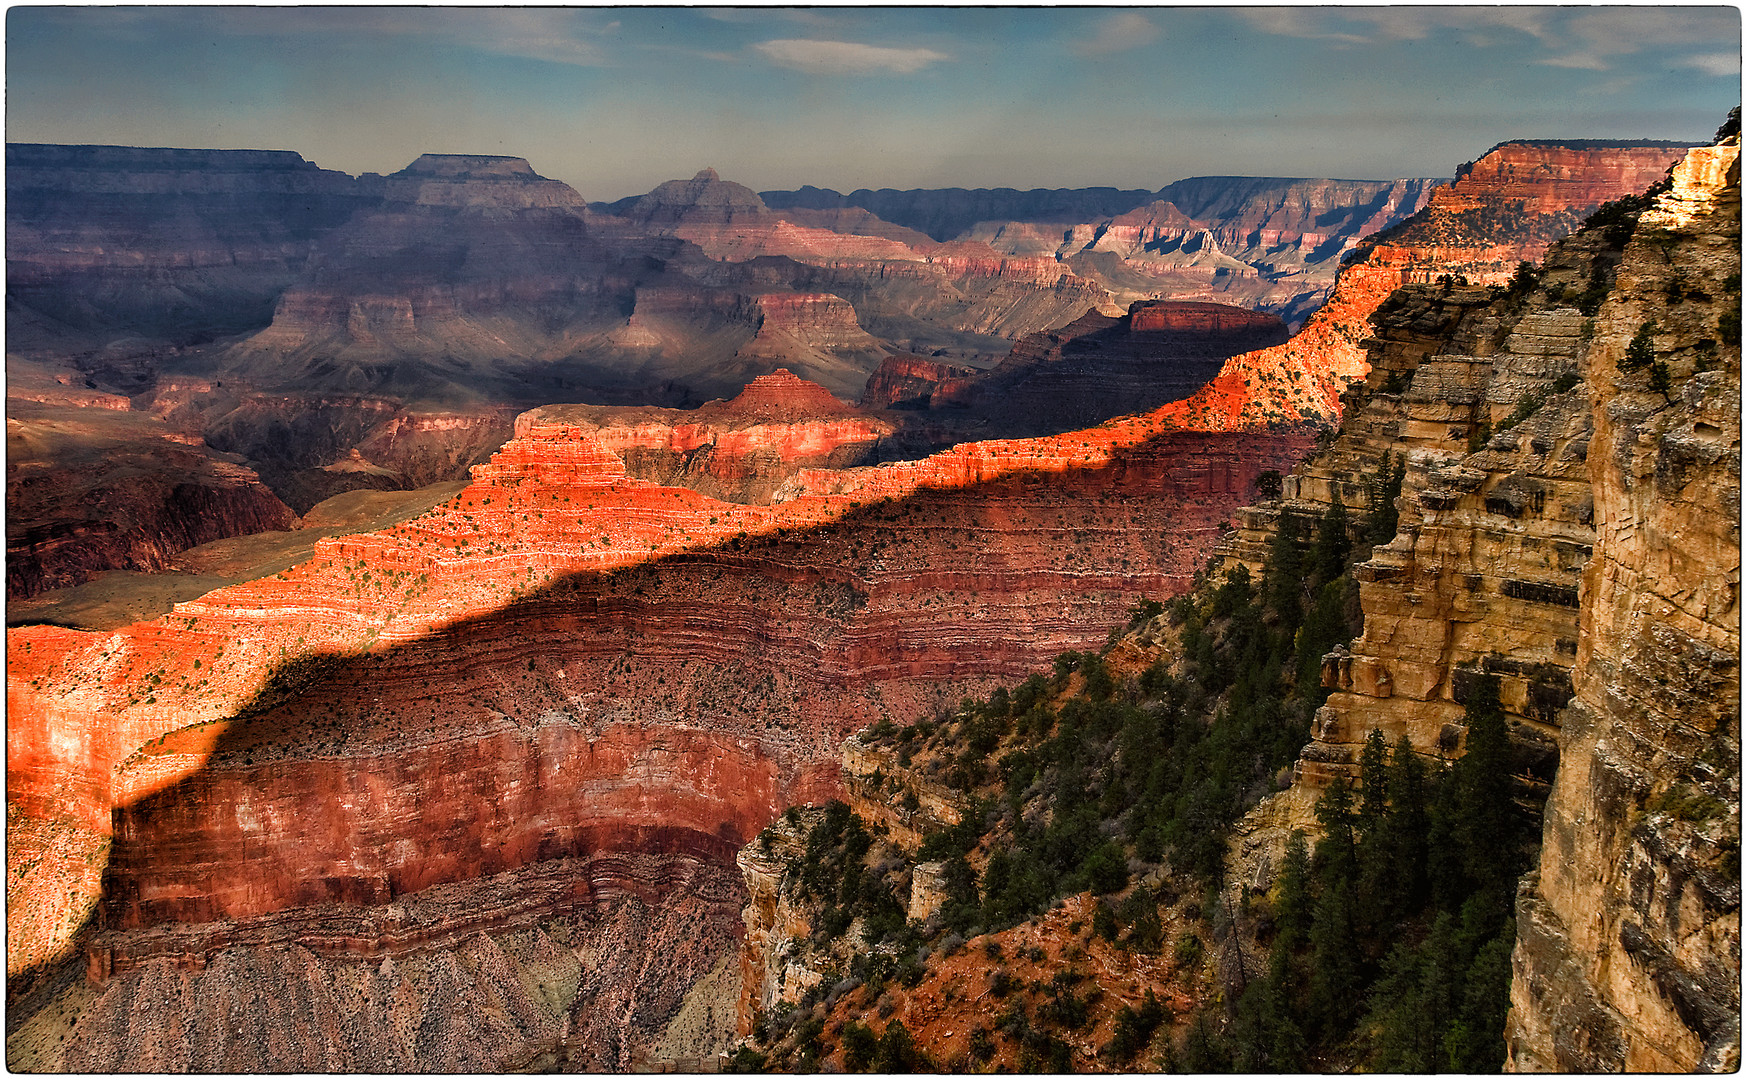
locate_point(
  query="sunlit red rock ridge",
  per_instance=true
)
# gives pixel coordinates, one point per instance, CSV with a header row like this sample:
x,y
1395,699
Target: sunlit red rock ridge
x,y
689,663
1503,209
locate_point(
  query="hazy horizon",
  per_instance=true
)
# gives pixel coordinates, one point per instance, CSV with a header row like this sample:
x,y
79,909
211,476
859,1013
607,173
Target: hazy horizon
x,y
616,100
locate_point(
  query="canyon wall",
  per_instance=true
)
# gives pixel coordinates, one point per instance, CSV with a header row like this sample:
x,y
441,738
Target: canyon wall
x,y
175,245
96,489
1262,242
1568,520
562,663
1629,951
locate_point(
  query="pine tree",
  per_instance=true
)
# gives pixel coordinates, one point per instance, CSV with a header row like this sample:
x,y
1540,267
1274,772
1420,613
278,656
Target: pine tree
x,y
1382,518
1406,828
1328,555
1283,576
1488,818
1641,350
1372,783
1292,908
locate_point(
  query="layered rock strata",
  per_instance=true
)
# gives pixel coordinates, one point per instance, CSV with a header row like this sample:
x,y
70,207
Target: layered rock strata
x,y
1262,242
1569,521
574,964
562,663
741,450
172,245
1628,951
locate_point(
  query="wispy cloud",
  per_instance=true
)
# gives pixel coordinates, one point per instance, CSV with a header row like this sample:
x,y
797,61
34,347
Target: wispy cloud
x,y
1122,31
1723,64
1581,61
1589,39
554,35
1298,23
845,57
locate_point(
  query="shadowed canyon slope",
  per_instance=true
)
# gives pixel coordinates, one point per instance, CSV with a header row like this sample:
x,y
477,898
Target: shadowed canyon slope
x,y
688,664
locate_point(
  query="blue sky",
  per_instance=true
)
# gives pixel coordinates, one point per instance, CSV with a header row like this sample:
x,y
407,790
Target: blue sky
x,y
616,100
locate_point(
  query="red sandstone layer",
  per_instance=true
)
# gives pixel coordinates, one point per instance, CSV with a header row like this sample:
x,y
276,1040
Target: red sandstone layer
x,y
564,660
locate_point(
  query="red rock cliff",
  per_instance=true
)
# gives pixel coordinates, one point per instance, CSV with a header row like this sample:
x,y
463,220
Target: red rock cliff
x,y
562,628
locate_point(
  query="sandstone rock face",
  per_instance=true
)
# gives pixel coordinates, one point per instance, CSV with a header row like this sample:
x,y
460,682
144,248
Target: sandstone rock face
x,y
562,663
1586,552
774,921
1517,199
1503,209
1628,953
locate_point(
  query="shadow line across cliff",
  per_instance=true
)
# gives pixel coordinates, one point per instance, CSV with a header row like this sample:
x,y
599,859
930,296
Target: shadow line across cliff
x,y
671,707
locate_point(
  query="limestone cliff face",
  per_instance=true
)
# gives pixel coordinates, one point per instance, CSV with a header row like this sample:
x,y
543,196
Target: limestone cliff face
x,y
1628,953
1568,527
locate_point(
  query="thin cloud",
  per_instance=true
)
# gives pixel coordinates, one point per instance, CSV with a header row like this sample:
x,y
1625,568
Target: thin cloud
x,y
553,35
1120,32
1588,39
1298,23
1724,64
1578,61
845,57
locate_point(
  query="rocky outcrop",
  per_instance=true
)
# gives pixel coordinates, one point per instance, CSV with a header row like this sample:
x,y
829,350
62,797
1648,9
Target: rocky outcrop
x,y
1514,202
910,382
476,180
323,737
741,450
1502,210
1628,952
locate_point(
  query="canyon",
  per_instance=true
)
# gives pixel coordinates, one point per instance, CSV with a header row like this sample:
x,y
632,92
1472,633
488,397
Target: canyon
x,y
427,796
693,662
330,333
1567,524
1501,210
